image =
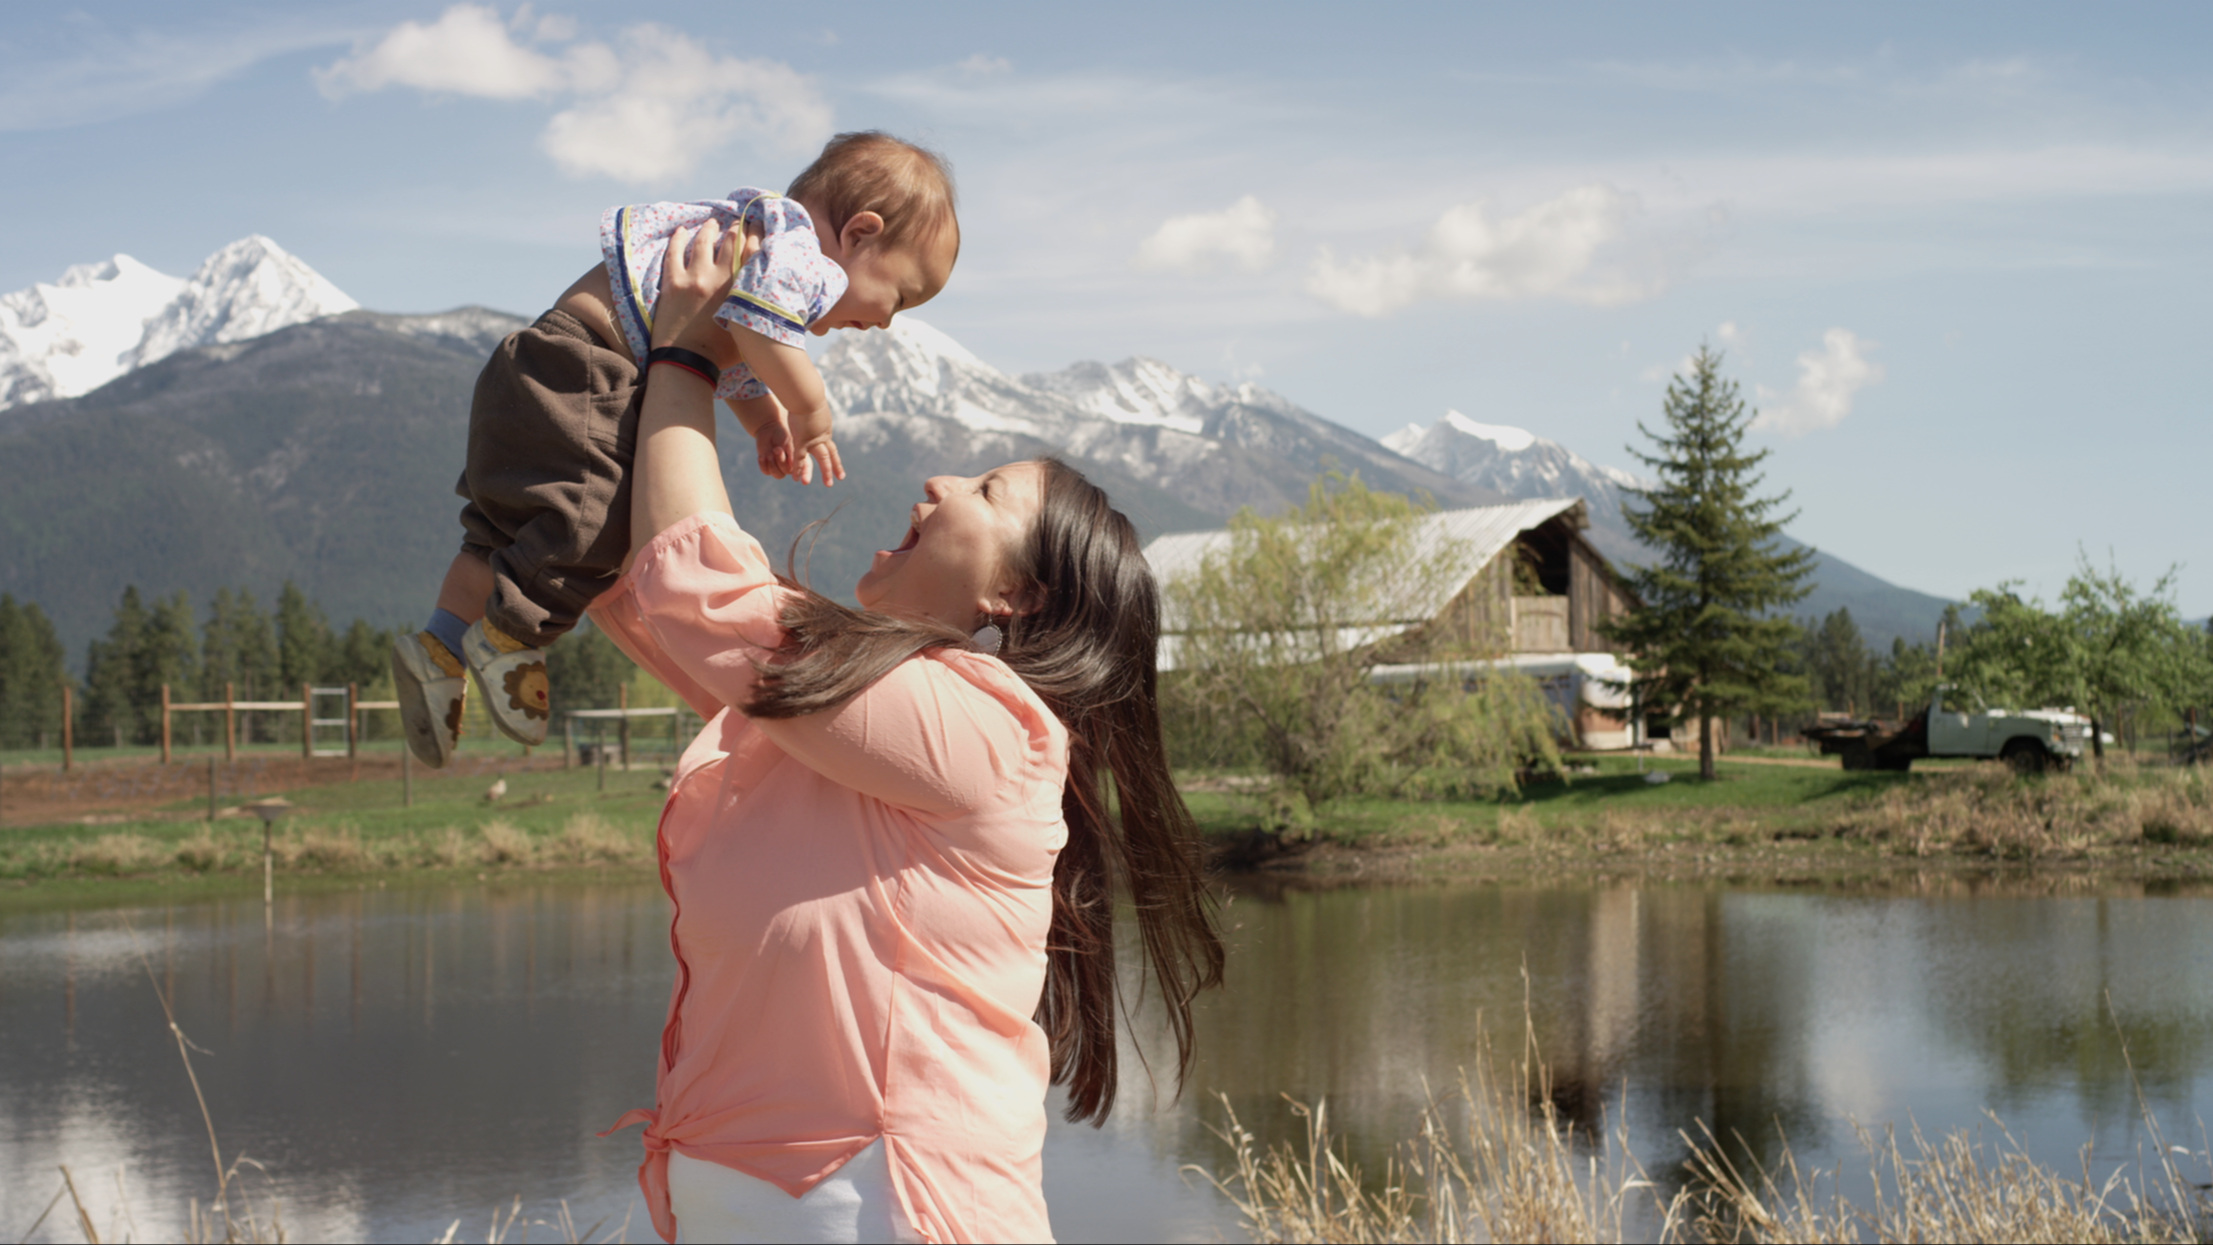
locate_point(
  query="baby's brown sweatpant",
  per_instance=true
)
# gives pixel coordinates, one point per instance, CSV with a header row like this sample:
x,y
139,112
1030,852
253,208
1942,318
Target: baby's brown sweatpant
x,y
552,429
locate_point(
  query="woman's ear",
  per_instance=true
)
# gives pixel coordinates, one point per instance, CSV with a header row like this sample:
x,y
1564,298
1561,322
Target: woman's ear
x,y
860,227
1028,599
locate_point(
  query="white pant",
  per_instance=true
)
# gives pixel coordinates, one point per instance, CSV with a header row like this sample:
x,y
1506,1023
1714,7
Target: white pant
x,y
853,1203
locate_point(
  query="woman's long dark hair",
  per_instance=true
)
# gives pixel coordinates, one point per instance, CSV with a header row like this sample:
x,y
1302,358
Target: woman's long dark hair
x,y
1088,652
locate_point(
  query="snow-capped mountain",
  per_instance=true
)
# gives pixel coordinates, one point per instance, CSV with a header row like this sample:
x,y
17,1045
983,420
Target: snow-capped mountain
x,y
324,452
1520,464
101,320
1215,447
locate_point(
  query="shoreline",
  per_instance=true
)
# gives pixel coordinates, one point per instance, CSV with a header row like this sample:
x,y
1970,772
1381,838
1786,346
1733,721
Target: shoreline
x,y
1316,865
1761,824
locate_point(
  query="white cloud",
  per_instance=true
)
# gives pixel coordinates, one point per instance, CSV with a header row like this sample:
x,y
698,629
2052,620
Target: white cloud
x,y
643,110
670,100
1828,378
467,51
1244,232
1550,250
981,65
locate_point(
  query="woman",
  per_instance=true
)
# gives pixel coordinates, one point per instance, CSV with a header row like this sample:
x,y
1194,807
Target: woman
x,y
890,849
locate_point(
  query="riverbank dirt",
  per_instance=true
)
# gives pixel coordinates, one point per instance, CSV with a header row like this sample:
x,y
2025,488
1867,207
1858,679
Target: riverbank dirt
x,y
104,791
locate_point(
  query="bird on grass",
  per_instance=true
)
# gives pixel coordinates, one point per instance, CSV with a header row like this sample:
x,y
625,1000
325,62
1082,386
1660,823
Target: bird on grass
x,y
493,793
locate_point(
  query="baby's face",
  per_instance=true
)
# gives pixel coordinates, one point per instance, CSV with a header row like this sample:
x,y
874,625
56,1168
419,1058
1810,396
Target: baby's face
x,y
883,281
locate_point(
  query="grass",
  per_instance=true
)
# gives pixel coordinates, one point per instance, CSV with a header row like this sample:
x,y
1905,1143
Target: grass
x,y
546,819
1962,811
1791,816
1486,1165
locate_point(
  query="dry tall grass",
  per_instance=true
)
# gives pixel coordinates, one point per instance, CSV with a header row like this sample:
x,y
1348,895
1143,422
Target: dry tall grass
x,y
1486,1166
1986,810
586,839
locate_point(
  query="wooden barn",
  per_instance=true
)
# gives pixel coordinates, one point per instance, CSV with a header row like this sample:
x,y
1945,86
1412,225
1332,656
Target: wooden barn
x,y
1529,593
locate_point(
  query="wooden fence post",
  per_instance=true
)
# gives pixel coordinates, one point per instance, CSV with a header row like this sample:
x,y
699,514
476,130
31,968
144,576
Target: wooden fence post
x,y
68,725
307,722
165,724
353,722
230,722
622,732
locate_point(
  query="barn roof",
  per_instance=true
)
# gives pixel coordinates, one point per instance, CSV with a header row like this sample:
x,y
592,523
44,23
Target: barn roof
x,y
1474,536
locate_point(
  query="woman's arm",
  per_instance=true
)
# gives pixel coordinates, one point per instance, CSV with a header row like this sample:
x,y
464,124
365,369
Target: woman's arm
x,y
675,473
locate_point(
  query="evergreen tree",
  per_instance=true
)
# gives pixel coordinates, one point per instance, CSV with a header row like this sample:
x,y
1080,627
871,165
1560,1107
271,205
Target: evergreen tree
x,y
31,674
239,652
1839,665
586,669
303,640
111,671
168,654
1710,639
1908,675
219,646
362,656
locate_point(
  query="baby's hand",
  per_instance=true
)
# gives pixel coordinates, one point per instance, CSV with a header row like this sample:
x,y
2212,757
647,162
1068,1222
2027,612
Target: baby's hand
x,y
810,444
763,419
804,409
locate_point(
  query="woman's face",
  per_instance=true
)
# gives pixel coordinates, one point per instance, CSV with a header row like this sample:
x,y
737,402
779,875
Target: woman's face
x,y
955,563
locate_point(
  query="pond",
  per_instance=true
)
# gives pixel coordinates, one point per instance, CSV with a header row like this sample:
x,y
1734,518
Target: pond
x,y
400,1058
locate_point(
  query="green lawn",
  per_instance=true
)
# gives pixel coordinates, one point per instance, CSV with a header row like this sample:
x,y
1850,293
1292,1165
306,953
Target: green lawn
x,y
547,818
1781,796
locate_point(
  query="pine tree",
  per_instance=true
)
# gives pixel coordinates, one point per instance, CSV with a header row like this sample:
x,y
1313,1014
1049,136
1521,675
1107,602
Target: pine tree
x,y
1838,663
303,639
168,654
239,652
1711,639
111,671
362,656
219,646
587,669
31,674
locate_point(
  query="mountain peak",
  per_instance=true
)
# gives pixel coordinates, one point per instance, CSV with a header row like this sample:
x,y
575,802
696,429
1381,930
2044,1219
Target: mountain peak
x,y
1511,440
86,276
103,319
246,289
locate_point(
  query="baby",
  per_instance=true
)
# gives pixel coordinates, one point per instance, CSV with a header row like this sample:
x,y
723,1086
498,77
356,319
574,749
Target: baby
x,y
867,231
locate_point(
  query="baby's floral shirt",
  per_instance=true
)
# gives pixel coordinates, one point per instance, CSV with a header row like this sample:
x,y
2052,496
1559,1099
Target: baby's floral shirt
x,y
787,285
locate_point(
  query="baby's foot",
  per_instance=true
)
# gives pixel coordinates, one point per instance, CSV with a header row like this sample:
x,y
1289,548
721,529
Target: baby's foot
x,y
432,685
513,676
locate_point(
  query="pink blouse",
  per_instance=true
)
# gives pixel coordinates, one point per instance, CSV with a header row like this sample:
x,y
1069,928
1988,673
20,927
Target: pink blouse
x,y
861,905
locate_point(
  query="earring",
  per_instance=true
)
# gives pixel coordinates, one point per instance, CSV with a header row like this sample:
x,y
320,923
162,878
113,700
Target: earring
x,y
988,638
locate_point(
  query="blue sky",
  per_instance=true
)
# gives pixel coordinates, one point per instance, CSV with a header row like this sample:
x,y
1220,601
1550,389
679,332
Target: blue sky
x,y
1958,255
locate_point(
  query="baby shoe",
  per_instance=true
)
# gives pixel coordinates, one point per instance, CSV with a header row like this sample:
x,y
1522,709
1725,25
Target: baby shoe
x,y
513,676
431,684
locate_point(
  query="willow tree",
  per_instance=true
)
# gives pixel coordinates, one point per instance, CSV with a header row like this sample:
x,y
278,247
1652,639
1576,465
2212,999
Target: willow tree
x,y
1277,633
1712,637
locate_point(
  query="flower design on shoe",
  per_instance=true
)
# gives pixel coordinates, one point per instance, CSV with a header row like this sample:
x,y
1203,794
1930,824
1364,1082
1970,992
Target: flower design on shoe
x,y
528,691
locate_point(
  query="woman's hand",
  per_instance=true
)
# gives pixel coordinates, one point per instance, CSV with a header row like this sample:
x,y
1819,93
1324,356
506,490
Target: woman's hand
x,y
696,274
674,473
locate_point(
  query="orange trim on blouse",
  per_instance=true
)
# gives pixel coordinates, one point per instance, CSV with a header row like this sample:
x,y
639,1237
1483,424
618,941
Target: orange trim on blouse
x,y
861,905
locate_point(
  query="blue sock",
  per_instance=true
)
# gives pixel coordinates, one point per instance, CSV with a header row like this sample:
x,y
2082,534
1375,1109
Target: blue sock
x,y
449,629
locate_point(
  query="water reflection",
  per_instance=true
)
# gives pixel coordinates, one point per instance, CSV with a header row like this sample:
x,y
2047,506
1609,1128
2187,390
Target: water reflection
x,y
1764,1012
399,1058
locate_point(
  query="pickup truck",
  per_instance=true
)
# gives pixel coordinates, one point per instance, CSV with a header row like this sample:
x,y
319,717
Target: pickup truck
x,y
2031,742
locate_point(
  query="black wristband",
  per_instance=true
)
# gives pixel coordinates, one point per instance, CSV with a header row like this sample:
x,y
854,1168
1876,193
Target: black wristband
x,y
690,360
